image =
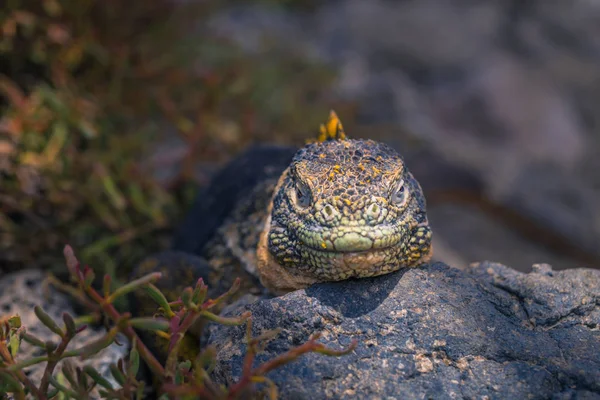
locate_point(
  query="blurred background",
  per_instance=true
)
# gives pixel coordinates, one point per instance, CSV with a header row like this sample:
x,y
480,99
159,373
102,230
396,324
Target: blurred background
x,y
113,112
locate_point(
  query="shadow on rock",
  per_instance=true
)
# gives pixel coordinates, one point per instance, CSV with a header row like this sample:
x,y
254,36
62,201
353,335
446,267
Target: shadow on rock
x,y
360,296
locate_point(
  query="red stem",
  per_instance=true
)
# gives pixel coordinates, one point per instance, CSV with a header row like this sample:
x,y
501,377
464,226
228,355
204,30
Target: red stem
x,y
52,361
110,310
21,375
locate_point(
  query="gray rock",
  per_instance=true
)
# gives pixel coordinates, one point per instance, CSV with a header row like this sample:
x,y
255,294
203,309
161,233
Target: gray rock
x,y
435,332
20,292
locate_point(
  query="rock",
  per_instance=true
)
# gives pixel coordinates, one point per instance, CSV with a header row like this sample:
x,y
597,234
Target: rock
x,y
434,332
20,292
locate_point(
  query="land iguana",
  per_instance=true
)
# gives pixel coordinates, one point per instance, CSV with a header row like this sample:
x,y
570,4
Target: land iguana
x,y
283,218
342,208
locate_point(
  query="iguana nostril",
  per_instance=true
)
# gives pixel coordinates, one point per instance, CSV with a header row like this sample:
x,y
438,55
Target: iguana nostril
x,y
373,211
329,212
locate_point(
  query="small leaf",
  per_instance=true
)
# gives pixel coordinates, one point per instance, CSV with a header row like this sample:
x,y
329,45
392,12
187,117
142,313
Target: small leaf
x,y
186,297
106,285
136,196
14,322
69,373
221,299
266,336
33,340
134,361
98,345
110,187
69,324
182,368
24,364
13,345
133,285
97,377
87,129
150,324
200,292
82,379
72,261
224,320
178,377
47,320
159,298
53,98
185,365
88,277
56,142
117,374
60,386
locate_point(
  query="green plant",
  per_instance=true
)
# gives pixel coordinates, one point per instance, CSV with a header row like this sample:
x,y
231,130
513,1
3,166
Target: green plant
x,y
177,377
88,91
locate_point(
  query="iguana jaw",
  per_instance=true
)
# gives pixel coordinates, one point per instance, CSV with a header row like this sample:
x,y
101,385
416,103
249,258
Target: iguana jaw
x,y
280,279
273,276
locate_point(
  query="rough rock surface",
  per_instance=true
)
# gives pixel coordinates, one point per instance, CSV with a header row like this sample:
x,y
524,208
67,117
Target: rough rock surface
x,y
435,332
20,292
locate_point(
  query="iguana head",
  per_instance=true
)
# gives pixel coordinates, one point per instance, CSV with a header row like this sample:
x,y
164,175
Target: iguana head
x,y
344,208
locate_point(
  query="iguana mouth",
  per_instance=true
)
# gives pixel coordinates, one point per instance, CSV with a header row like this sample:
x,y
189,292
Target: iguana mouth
x,y
343,264
351,239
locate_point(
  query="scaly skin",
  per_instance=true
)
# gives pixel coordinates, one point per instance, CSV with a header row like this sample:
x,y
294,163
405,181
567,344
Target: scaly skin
x,y
343,209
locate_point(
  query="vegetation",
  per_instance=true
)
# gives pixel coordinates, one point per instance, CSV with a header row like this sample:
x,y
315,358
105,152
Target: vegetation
x,y
98,98
177,377
92,94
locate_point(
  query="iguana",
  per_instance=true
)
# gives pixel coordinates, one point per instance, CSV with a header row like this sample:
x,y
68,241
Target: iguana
x,y
338,208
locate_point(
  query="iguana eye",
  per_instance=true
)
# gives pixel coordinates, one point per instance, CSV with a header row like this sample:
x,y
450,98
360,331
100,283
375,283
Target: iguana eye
x,y
400,195
302,195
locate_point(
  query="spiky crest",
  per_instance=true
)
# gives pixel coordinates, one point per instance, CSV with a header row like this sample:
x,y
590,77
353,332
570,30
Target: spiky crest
x,y
332,129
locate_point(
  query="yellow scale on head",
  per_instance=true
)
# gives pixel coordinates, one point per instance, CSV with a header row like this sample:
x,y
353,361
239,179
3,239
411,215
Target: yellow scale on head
x,y
331,130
